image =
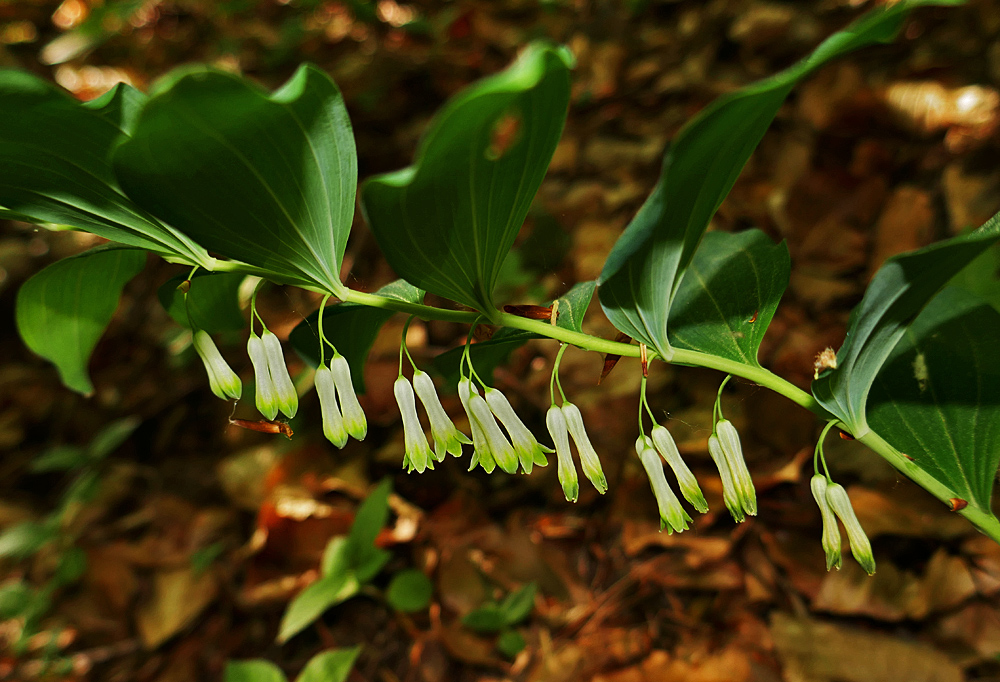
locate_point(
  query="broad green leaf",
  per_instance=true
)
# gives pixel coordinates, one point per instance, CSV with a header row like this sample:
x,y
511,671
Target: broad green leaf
x,y
447,222
268,179
256,670
410,590
518,605
487,618
510,643
937,398
371,518
728,295
55,165
982,276
350,327
896,294
212,301
310,603
330,666
490,354
643,272
63,310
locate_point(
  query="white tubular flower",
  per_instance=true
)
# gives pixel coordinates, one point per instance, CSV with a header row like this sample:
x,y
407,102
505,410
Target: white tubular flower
x,y
730,441
418,453
588,457
497,443
861,548
665,445
558,429
284,389
267,401
481,452
729,495
350,408
221,377
333,422
447,438
525,444
831,531
672,514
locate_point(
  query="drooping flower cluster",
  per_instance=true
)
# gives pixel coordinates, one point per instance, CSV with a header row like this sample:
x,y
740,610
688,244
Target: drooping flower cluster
x,y
501,439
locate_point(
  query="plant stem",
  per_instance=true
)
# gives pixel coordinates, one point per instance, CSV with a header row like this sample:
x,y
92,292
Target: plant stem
x,y
983,520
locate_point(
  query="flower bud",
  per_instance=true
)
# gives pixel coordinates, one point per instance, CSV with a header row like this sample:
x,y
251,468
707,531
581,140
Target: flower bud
x,y
527,447
417,453
861,548
588,456
267,401
333,422
284,390
672,514
481,451
559,431
447,438
497,443
665,445
221,377
350,408
729,439
728,489
831,531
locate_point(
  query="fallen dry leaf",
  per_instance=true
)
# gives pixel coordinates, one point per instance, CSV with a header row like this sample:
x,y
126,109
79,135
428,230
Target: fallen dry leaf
x,y
814,651
178,597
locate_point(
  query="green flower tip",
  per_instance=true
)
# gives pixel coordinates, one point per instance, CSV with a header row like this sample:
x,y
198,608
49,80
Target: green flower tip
x,y
224,382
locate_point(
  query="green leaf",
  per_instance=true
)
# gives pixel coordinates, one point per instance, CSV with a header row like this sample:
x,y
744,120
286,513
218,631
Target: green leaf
x,y
643,272
487,618
490,354
351,328
63,310
15,598
896,294
266,179
982,276
486,355
937,398
510,643
72,565
573,305
447,222
60,458
256,670
310,603
728,295
24,539
110,438
410,590
212,301
336,558
518,605
370,519
330,666
56,166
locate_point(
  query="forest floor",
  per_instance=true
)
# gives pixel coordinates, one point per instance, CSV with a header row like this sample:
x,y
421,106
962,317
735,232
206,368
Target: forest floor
x,y
194,536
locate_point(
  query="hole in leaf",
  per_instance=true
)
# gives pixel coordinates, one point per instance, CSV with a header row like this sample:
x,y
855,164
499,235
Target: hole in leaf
x,y
504,135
